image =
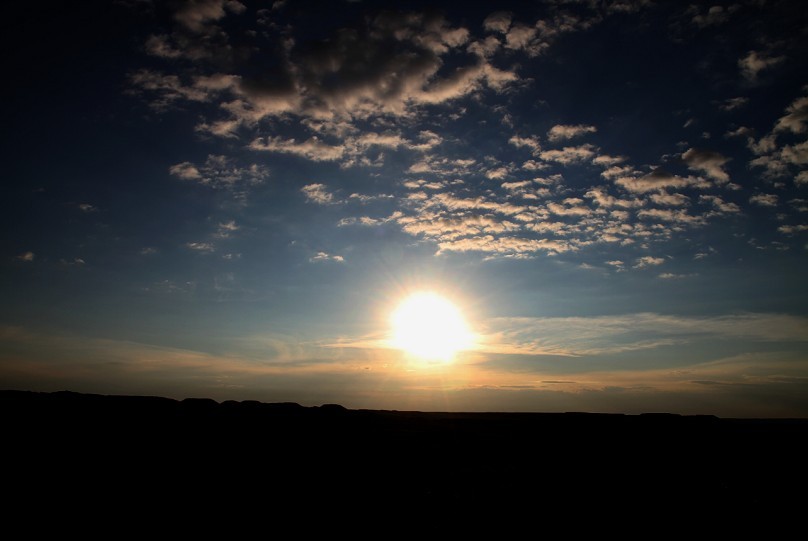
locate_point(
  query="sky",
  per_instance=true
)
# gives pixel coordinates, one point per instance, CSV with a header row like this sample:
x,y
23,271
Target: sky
x,y
228,199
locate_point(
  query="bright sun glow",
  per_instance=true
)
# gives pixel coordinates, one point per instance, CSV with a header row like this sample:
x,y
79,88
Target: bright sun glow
x,y
430,327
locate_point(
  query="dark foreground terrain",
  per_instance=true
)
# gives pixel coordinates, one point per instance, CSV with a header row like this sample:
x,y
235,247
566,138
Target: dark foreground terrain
x,y
92,454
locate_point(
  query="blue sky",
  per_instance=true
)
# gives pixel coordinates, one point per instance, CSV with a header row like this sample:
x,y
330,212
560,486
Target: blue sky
x,y
228,199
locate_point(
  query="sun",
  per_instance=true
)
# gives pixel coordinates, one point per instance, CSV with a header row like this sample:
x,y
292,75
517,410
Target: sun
x,y
430,328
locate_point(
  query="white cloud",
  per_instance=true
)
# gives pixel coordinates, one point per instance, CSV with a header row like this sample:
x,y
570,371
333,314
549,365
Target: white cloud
x,y
648,261
313,148
569,155
657,180
528,142
608,201
802,178
721,206
731,104
220,172
202,247
764,200
499,21
670,199
708,161
608,161
318,193
791,229
26,256
323,256
755,62
497,173
87,207
714,15
226,229
796,118
669,215
505,246
563,132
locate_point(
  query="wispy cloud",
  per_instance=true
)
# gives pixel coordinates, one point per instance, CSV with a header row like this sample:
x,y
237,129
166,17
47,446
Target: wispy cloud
x,y
318,193
708,161
323,256
756,61
563,132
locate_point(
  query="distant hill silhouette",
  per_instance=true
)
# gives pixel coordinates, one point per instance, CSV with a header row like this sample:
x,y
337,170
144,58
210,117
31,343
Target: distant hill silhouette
x,y
195,449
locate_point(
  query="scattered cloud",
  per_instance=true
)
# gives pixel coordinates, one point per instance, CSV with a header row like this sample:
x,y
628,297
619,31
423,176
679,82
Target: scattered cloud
x,y
564,132
713,16
569,155
732,104
764,200
657,180
202,247
318,193
648,261
26,256
220,172
796,118
323,256
527,142
755,62
708,161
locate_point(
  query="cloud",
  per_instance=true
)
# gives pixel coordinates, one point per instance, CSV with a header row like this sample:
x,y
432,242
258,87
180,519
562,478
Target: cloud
x,y
800,205
670,199
755,62
313,149
801,179
390,65
670,215
648,261
323,256
764,200
196,14
796,118
202,247
708,161
225,230
714,15
527,142
569,155
318,193
721,206
672,276
605,200
657,180
733,103
87,207
26,256
615,334
507,246
499,21
497,173
563,132
791,229
220,172
442,166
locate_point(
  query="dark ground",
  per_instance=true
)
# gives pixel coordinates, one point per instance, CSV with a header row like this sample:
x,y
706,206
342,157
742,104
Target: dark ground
x,y
69,453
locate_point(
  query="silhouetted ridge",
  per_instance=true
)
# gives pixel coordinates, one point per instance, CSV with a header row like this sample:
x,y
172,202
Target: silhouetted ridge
x,y
198,446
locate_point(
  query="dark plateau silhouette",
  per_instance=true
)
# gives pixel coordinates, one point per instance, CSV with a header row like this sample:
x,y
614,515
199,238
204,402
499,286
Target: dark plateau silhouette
x,y
67,450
